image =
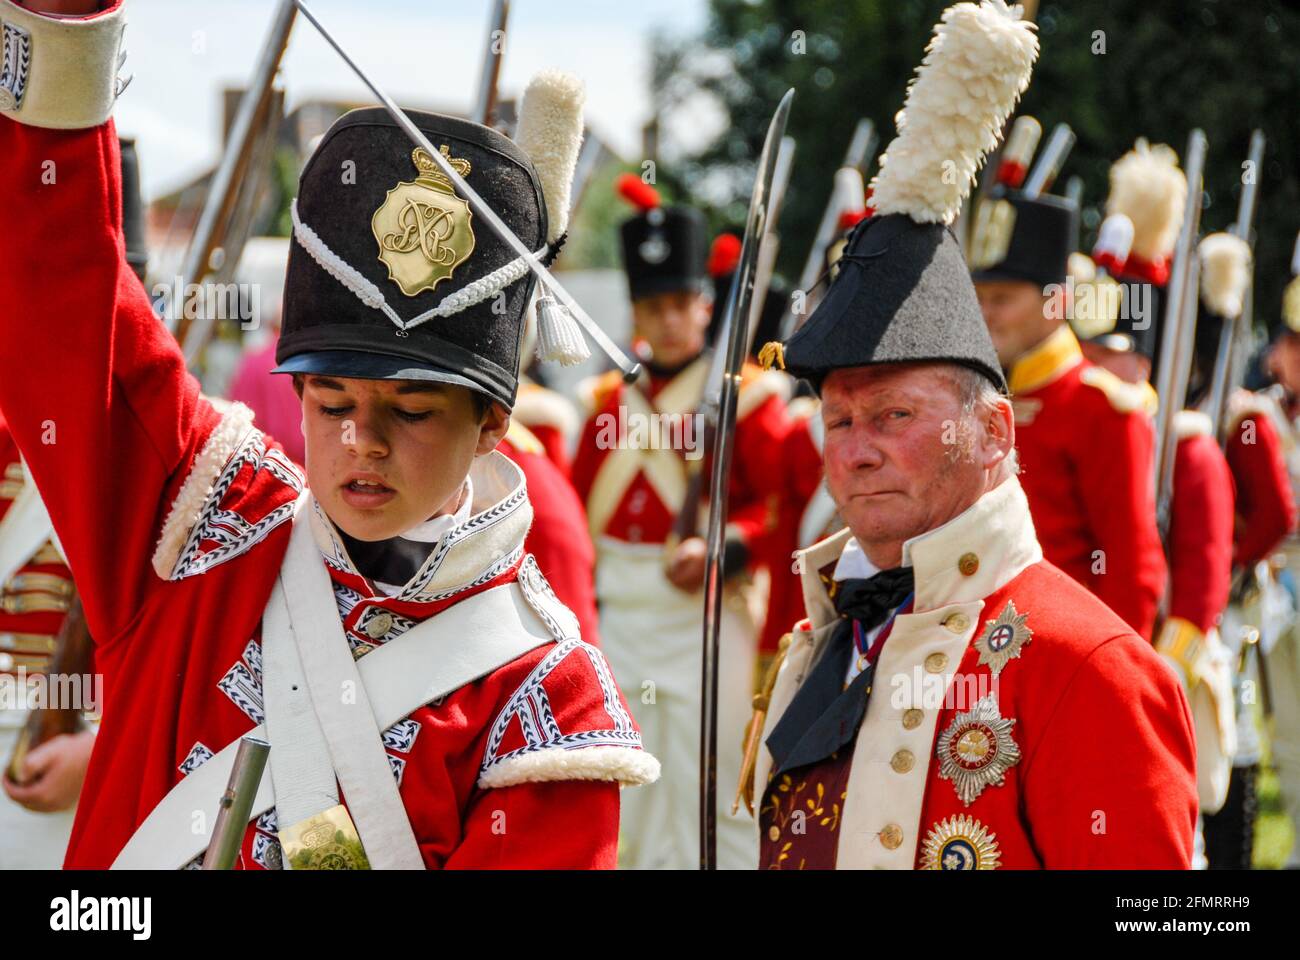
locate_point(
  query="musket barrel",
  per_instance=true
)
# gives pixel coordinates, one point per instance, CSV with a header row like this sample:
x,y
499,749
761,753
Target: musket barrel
x,y
1228,372
236,804
485,102
1177,323
1051,161
217,204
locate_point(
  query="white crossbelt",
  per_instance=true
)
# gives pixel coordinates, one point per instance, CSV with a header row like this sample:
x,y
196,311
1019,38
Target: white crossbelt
x,y
25,528
463,643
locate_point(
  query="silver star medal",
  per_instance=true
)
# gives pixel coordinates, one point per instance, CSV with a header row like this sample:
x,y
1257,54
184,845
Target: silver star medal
x,y
1003,638
977,750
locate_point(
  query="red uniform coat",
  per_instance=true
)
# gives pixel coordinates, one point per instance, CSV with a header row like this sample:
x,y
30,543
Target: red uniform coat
x,y
1200,525
801,480
143,466
550,418
34,601
1266,511
1097,764
644,508
1086,451
558,537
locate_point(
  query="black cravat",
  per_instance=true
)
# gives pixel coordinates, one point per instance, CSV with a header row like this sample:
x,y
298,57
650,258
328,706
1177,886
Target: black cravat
x,y
823,716
870,601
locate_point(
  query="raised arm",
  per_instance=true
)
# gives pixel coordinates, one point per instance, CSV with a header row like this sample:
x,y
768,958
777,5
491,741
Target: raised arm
x,y
93,386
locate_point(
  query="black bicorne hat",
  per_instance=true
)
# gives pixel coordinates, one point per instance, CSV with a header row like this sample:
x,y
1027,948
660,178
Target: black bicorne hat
x,y
903,294
391,275
1016,237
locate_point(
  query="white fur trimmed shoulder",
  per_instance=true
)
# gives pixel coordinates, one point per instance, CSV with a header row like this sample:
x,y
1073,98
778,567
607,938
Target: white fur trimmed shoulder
x,y
235,424
586,734
629,766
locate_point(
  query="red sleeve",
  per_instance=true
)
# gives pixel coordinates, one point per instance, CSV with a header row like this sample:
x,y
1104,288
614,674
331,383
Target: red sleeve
x,y
1200,533
1112,782
94,388
1116,480
586,459
1265,506
756,478
561,825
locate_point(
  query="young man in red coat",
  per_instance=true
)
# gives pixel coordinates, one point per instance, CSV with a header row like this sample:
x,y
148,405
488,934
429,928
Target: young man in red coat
x,y
205,560
954,701
633,467
1086,445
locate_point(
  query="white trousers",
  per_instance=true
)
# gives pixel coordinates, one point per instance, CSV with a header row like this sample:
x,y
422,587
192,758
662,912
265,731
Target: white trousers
x,y
653,636
28,841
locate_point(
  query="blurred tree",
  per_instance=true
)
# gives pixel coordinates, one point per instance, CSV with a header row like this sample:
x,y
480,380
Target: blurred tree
x,y
1114,71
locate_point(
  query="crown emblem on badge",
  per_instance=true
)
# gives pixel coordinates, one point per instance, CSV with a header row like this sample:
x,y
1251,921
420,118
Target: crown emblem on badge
x,y
422,227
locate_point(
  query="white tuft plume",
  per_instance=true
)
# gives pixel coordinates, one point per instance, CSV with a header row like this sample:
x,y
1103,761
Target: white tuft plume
x,y
550,132
1225,273
1148,188
975,69
848,192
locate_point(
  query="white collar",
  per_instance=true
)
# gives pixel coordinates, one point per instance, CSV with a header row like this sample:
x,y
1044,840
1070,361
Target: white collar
x,y
854,563
435,528
969,557
474,549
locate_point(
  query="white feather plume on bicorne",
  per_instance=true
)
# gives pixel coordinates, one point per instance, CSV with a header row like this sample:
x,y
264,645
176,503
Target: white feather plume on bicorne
x,y
1147,186
976,67
1225,273
550,132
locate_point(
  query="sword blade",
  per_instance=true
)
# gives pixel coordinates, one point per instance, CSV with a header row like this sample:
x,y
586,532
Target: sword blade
x,y
739,301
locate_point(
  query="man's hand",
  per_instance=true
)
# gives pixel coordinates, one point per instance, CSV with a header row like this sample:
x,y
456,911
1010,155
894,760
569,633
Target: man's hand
x,y
53,772
686,568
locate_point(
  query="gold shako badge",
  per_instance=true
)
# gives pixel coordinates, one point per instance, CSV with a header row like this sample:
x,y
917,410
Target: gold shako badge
x,y
960,843
977,750
422,227
1003,638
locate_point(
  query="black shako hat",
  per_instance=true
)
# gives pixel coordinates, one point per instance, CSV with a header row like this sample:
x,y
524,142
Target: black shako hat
x,y
903,294
903,291
391,275
664,248
1017,237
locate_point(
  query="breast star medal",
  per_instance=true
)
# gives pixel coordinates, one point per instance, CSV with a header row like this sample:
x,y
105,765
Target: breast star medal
x,y
422,227
977,750
1003,638
960,843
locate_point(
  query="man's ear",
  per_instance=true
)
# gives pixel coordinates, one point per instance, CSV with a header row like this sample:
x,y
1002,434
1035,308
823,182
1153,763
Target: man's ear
x,y
999,432
493,429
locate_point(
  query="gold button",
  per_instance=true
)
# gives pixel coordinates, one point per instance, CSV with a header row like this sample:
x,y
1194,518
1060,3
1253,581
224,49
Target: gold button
x,y
379,626
360,650
935,662
902,761
968,564
957,622
892,836
912,718
6,662
774,833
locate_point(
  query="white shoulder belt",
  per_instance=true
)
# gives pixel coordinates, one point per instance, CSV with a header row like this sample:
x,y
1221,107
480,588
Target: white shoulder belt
x,y
304,647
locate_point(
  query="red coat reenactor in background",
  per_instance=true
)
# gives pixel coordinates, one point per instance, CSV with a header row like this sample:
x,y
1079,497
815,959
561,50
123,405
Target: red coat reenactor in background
x,y
1085,440
633,470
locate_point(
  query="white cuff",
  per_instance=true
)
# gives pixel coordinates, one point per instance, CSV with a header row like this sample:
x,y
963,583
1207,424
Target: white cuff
x,y
59,73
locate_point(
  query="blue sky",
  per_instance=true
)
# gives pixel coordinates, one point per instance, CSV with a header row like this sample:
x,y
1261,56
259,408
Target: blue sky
x,y
183,53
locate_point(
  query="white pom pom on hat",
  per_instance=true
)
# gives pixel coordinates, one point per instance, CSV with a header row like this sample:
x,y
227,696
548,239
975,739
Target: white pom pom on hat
x,y
976,66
